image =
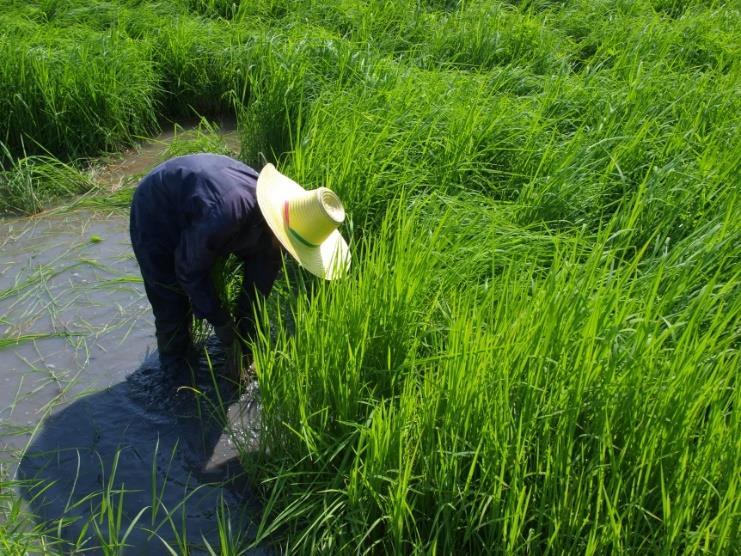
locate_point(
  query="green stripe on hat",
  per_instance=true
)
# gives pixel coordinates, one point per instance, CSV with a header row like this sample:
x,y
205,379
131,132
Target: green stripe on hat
x,y
295,235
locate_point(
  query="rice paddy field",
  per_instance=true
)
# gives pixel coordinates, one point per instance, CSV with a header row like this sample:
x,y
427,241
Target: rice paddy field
x,y
537,347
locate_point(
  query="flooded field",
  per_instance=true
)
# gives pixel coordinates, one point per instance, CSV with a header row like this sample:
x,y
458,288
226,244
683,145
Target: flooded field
x,y
87,420
71,297
535,349
127,167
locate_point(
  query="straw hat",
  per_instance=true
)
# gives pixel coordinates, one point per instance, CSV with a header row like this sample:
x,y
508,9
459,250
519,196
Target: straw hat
x,y
305,222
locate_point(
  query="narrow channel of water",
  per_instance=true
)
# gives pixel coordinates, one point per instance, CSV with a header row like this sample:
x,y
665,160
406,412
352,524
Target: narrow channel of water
x,y
137,161
86,414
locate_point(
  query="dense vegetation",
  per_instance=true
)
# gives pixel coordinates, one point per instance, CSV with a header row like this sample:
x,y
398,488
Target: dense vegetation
x,y
538,345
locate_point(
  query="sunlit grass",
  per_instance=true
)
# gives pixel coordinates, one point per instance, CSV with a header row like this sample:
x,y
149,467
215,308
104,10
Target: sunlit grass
x,y
537,347
567,407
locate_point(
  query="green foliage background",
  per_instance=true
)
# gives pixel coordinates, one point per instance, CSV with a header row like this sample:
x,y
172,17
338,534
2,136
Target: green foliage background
x,y
537,347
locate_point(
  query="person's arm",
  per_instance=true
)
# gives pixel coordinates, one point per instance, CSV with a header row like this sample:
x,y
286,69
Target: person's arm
x,y
260,271
194,257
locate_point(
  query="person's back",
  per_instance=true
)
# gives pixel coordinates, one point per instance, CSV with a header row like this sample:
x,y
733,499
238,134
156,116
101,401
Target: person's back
x,y
185,189
192,210
185,214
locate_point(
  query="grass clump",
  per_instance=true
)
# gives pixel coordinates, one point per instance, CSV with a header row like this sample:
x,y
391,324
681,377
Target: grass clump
x,y
34,182
205,137
198,64
18,534
497,409
536,348
485,35
67,96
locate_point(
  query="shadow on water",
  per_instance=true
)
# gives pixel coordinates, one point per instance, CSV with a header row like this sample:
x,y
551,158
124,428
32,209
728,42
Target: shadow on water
x,y
136,455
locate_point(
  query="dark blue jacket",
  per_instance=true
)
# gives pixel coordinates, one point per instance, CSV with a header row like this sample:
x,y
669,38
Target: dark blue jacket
x,y
201,207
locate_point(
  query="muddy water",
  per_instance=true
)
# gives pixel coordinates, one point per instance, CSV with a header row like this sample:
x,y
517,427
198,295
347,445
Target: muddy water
x,y
72,280
130,165
86,414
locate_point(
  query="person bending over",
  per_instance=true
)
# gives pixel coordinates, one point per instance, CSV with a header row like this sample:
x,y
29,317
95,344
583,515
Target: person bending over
x,y
192,210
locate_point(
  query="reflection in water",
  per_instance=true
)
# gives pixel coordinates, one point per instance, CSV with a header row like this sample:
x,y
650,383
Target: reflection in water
x,y
142,446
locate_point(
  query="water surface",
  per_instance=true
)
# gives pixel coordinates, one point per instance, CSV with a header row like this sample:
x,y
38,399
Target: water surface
x,y
86,416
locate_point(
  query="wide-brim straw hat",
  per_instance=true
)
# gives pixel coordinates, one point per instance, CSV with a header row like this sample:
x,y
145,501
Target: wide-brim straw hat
x,y
305,222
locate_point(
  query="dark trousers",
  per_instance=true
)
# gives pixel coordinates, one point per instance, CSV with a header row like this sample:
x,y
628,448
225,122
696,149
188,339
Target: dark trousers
x,y
170,304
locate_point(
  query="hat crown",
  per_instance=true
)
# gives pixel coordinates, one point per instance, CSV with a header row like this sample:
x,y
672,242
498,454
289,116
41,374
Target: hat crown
x,y
313,215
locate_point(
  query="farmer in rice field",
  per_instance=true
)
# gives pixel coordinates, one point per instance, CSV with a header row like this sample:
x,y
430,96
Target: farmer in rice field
x,y
192,210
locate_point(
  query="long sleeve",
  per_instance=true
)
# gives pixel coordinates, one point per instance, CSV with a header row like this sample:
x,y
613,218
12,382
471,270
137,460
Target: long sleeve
x,y
197,207
199,246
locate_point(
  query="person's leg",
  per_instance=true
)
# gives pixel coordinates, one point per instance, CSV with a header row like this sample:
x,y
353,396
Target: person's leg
x,y
172,322
170,304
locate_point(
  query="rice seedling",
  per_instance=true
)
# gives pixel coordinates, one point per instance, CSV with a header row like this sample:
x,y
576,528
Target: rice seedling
x,y
447,417
204,138
34,182
74,98
537,347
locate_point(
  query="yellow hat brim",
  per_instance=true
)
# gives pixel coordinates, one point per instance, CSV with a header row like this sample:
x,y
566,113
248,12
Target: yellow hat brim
x,y
331,259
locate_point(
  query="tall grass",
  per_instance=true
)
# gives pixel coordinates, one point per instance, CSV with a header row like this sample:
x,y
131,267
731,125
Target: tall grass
x,y
537,347
569,390
65,92
441,402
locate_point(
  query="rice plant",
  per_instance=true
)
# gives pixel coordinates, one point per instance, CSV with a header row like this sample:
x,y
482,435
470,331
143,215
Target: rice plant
x,y
536,349
33,182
